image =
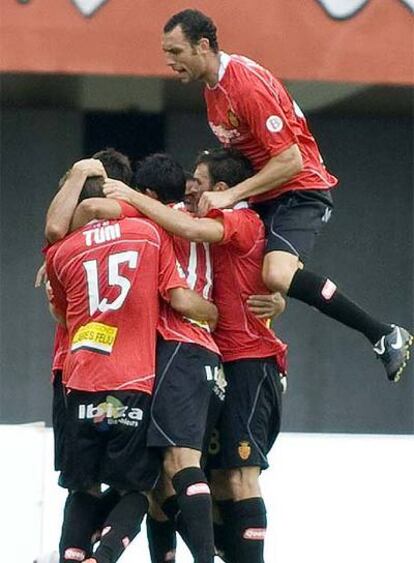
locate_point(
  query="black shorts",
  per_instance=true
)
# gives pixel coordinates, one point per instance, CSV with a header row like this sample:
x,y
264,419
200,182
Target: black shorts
x,y
186,375
250,420
294,220
58,418
105,441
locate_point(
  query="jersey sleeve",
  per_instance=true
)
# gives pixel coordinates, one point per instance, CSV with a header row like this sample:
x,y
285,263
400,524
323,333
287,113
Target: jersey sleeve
x,y
259,107
171,275
239,230
59,297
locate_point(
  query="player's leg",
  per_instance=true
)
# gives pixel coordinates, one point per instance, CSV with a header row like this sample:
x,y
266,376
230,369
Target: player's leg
x,y
128,466
248,428
80,475
293,223
182,466
245,516
185,377
161,530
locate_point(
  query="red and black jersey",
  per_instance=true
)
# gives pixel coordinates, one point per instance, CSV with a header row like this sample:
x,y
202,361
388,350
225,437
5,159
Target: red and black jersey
x,y
106,279
252,111
237,263
195,261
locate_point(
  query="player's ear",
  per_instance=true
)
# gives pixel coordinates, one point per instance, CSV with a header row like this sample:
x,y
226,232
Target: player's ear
x,y
203,45
220,187
151,193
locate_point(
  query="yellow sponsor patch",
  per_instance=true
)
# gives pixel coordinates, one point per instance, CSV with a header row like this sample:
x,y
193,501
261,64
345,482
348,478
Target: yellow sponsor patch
x,y
95,336
201,324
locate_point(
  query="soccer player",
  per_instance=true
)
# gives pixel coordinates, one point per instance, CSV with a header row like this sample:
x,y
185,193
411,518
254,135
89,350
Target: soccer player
x,y
248,108
253,358
187,365
106,279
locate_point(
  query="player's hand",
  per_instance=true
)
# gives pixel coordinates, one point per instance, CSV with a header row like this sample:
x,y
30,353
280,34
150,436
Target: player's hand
x,y
116,189
266,306
90,167
215,200
41,277
49,291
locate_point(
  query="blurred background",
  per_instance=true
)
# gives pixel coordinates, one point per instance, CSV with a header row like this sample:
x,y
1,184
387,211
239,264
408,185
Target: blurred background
x,y
81,75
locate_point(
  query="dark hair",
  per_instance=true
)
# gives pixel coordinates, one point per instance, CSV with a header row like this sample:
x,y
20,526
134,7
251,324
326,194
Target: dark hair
x,y
161,173
93,187
226,165
195,25
116,164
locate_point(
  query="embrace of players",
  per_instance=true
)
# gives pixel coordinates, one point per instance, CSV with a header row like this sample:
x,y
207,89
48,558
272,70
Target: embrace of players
x,y
167,380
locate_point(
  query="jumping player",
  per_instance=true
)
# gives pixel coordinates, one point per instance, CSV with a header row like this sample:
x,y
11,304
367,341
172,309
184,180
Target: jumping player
x,y
248,108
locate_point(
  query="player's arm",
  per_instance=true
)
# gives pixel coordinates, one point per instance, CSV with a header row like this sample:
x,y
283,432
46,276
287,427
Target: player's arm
x,y
278,170
190,304
54,290
174,221
61,209
268,306
95,208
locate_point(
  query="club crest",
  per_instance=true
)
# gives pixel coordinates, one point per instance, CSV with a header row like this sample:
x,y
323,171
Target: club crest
x,y
244,450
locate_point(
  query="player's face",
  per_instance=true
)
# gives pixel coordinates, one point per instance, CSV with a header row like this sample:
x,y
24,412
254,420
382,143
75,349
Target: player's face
x,y
191,194
182,57
203,181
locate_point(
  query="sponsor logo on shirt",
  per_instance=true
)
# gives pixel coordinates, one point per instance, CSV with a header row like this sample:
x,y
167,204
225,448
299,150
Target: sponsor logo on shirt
x,y
224,134
96,337
110,413
244,450
274,124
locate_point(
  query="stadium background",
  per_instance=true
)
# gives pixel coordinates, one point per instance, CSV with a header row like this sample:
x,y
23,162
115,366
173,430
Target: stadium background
x,y
79,75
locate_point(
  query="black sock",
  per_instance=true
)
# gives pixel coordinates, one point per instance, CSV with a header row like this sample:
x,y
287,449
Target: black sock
x,y
107,502
172,511
223,531
322,293
79,524
121,527
194,500
161,540
249,522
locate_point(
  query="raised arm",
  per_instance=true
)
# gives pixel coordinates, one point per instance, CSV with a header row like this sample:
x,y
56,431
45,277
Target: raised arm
x,y
173,221
60,212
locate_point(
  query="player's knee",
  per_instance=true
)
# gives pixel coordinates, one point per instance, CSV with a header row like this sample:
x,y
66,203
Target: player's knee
x,y
219,484
244,482
277,275
176,459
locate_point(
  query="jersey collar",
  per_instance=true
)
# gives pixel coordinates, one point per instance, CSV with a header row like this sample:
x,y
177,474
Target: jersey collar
x,y
241,205
224,63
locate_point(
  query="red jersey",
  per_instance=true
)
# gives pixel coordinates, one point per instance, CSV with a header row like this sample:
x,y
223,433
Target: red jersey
x,y
106,279
237,263
251,110
195,261
60,348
